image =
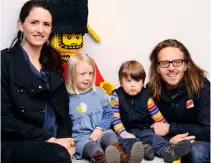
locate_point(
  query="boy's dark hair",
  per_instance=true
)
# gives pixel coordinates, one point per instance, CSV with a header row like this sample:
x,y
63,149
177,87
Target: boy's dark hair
x,y
132,69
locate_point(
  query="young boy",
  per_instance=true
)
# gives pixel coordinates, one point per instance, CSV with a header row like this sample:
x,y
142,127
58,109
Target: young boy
x,y
134,113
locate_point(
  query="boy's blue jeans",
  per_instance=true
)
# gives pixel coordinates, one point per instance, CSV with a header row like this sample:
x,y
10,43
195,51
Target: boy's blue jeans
x,y
148,136
200,152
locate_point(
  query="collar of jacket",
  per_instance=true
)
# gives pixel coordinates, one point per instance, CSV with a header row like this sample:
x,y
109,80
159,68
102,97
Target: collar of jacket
x,y
26,78
168,95
135,98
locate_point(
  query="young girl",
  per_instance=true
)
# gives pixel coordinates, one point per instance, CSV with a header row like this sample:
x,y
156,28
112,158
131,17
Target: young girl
x,y
92,115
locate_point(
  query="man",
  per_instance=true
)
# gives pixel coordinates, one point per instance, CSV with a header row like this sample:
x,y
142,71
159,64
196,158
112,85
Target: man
x,y
182,93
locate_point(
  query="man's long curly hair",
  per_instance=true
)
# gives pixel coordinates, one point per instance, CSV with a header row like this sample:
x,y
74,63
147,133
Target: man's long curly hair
x,y
192,77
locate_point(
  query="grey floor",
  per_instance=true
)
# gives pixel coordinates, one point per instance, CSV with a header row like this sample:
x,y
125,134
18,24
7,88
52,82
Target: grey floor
x,y
156,160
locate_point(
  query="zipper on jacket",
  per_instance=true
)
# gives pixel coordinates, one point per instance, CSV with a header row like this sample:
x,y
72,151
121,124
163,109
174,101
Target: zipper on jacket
x,y
132,101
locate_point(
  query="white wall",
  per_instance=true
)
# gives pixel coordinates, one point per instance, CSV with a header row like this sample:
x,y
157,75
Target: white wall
x,y
129,29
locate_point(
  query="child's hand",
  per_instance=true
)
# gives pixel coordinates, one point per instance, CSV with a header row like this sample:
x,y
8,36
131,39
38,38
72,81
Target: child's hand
x,y
96,134
127,135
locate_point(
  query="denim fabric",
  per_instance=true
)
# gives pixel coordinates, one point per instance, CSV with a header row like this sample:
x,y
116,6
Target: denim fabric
x,y
127,143
148,136
50,125
87,111
200,153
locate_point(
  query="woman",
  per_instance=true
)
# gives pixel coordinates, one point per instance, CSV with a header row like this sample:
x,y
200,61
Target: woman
x,y
34,116
182,93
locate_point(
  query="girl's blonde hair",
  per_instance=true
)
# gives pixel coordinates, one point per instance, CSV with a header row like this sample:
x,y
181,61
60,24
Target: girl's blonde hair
x,y
72,72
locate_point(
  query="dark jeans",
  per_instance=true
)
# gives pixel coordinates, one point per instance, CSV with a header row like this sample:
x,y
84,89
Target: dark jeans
x,y
148,136
200,153
34,152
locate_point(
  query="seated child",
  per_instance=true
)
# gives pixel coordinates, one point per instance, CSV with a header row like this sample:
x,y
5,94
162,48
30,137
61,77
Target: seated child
x,y
92,116
134,113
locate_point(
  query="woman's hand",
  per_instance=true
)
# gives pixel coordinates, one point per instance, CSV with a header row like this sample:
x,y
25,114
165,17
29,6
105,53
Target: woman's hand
x,y
52,139
181,137
96,134
160,128
71,150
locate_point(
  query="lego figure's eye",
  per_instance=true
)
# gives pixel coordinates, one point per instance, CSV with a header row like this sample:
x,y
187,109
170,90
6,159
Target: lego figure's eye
x,y
77,36
69,37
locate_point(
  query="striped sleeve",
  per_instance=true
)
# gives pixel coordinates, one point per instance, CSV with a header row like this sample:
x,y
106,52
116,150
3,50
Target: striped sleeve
x,y
155,112
117,123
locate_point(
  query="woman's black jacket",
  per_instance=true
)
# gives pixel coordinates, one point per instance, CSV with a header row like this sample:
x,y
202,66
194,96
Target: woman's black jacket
x,y
23,100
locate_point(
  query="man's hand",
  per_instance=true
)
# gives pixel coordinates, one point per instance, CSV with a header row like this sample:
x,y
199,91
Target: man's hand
x,y
181,137
127,135
96,134
160,128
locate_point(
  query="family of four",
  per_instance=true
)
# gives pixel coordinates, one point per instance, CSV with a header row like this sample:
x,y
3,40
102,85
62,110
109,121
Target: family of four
x,y
47,119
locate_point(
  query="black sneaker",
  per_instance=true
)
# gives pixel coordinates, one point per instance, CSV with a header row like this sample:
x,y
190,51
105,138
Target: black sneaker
x,y
148,152
173,152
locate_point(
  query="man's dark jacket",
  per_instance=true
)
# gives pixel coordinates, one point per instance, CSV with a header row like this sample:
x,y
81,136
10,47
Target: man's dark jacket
x,y
187,114
23,100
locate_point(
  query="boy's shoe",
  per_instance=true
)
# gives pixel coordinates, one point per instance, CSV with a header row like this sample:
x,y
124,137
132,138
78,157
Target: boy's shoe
x,y
148,152
98,157
136,154
124,157
173,152
112,155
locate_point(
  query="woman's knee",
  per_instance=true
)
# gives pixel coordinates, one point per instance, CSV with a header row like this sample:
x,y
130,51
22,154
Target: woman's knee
x,y
35,151
61,154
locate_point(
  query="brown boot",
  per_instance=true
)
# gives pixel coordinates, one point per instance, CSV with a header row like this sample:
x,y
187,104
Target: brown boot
x,y
136,154
98,157
124,157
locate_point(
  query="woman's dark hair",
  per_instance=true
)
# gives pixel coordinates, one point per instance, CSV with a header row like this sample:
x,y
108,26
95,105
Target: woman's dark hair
x,y
49,58
25,10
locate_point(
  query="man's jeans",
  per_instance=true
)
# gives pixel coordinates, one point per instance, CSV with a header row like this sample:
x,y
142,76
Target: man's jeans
x,y
148,136
200,153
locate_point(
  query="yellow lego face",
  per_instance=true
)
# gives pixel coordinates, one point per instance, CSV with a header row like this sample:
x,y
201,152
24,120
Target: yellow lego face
x,y
67,44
